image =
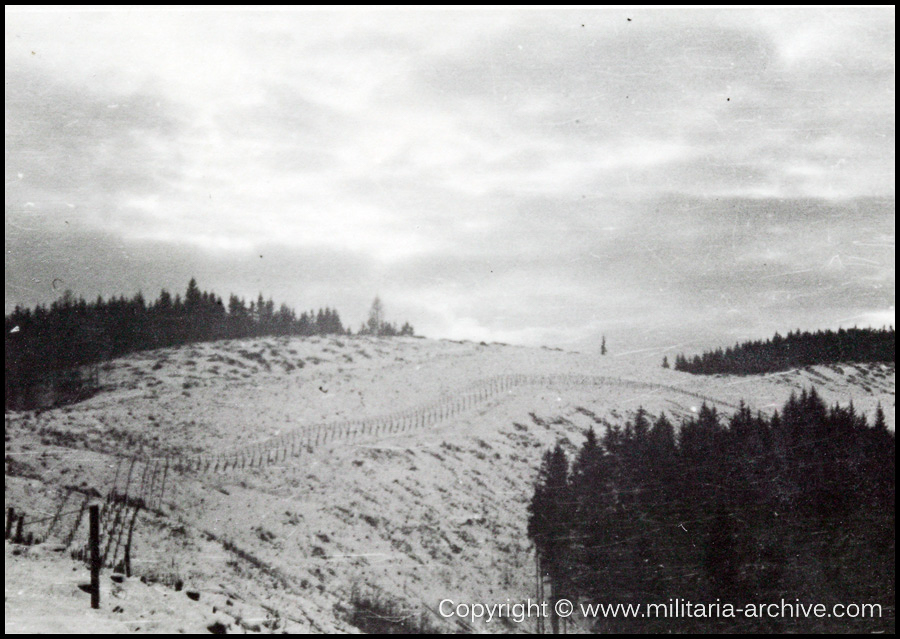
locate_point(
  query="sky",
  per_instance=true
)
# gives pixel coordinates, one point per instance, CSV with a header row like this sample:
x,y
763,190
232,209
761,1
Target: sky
x,y
665,178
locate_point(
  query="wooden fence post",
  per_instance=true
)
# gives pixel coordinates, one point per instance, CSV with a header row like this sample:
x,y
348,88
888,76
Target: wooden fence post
x,y
75,526
116,478
10,520
127,560
162,488
95,555
154,467
20,536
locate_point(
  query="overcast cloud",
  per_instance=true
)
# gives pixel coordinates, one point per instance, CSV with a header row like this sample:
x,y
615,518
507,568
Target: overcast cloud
x,y
661,177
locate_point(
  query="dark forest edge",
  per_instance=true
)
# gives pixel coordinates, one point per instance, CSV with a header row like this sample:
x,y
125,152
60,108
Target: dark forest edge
x,y
796,350
739,510
52,353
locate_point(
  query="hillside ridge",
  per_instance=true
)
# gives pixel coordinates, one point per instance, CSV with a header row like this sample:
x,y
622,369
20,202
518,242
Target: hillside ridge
x,y
426,511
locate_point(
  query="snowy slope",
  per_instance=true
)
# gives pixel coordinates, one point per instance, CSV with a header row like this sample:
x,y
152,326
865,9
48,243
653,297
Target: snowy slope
x,y
435,510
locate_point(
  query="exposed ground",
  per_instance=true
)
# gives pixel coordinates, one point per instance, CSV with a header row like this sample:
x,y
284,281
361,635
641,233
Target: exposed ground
x,y
419,516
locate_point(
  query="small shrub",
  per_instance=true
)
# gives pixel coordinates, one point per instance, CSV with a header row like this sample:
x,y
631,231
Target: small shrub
x,y
263,534
374,612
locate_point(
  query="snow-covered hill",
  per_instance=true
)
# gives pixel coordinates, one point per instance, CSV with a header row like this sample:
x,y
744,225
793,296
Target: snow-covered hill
x,y
431,510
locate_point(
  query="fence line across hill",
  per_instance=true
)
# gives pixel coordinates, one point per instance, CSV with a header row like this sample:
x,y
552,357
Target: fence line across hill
x,y
139,483
125,497
308,438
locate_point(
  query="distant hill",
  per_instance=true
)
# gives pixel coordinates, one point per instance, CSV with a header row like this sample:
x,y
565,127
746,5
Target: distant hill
x,y
796,350
53,354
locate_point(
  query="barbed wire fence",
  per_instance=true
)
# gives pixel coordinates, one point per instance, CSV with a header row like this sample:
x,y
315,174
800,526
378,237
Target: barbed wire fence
x,y
140,482
309,438
138,485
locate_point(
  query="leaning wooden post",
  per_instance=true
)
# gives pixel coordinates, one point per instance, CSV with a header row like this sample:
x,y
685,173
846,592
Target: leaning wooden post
x,y
10,520
20,534
162,490
95,555
128,542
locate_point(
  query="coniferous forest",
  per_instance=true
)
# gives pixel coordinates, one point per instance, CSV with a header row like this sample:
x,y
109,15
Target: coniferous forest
x,y
47,349
796,350
740,509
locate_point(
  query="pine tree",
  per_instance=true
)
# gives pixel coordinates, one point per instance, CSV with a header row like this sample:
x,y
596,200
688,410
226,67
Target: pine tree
x,y
590,530
880,424
375,323
192,296
550,524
